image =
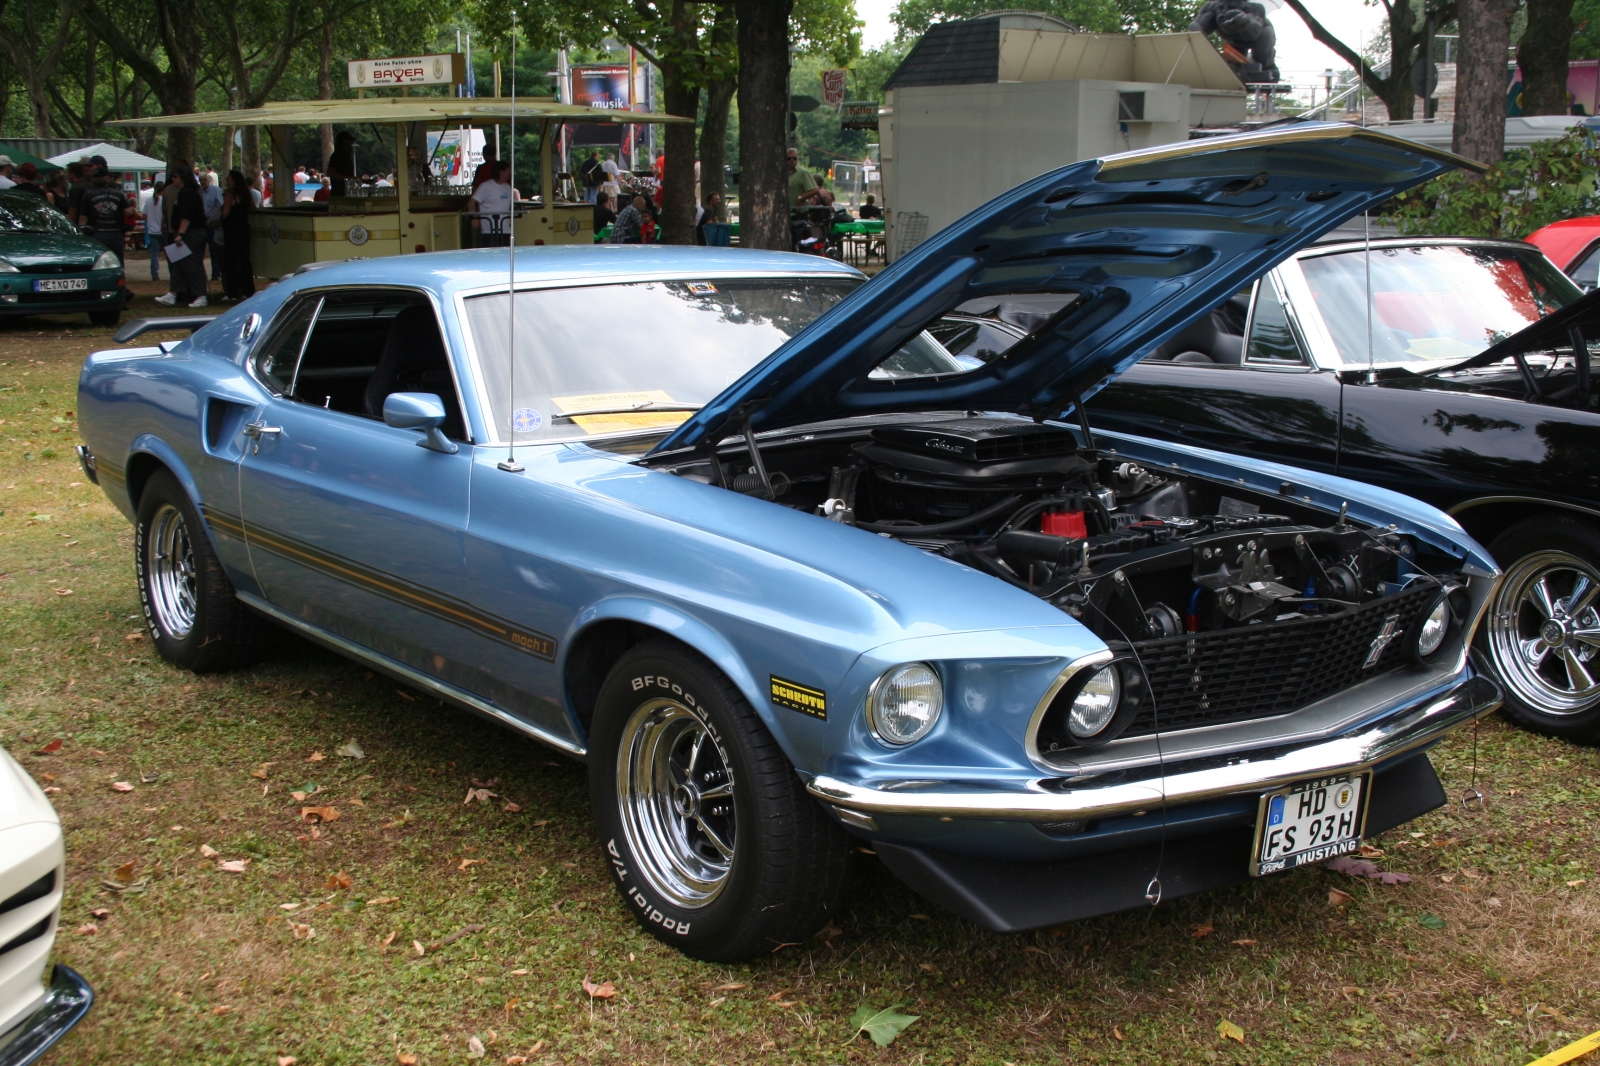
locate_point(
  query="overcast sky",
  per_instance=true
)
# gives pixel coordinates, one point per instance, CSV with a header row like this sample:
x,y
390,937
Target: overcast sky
x,y
1301,59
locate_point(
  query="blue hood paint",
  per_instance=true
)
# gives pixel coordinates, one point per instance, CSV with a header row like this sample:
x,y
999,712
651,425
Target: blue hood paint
x,y
1150,240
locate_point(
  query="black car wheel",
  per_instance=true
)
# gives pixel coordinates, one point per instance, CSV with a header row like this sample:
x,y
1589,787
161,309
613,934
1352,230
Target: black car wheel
x,y
1543,626
189,605
706,828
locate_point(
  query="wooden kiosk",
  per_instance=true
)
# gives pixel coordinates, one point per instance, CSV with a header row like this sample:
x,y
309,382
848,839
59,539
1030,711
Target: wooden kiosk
x,y
412,216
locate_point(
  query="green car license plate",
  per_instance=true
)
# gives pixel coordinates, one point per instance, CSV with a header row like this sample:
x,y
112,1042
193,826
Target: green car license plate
x,y
1311,821
59,284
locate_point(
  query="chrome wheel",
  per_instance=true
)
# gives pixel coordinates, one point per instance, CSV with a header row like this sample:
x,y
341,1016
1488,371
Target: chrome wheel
x,y
1544,632
676,798
170,564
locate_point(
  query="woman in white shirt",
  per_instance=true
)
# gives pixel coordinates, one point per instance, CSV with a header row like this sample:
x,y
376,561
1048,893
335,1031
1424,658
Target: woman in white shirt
x,y
492,199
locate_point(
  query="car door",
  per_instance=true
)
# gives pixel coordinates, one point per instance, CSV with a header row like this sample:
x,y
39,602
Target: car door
x,y
351,526
1258,395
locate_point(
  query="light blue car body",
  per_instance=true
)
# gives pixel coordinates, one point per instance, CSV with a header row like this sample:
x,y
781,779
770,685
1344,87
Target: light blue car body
x,y
499,590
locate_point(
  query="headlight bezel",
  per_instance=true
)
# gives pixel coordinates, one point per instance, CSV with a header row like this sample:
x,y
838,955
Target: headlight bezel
x,y
877,720
1051,731
8,267
101,264
1445,601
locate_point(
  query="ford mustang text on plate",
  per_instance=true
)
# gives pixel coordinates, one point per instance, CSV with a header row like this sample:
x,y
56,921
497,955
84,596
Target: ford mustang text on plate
x,y
737,530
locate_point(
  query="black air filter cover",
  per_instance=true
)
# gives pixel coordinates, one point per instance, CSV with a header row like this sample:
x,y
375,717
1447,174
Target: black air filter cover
x,y
980,440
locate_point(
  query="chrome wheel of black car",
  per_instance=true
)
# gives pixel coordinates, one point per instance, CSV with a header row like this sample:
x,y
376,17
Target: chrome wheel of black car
x,y
708,831
675,796
1544,631
170,564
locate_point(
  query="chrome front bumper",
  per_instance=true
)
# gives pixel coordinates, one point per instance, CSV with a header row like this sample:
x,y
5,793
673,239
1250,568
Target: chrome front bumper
x,y
1404,729
64,1006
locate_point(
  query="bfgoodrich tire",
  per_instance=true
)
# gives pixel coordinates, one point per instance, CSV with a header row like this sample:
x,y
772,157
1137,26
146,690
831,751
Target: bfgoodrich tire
x,y
709,835
189,605
1542,630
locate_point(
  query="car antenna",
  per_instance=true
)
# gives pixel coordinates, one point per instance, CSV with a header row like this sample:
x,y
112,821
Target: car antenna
x,y
509,463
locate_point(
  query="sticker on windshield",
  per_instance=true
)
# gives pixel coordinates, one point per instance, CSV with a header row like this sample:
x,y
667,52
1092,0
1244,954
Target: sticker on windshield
x,y
526,420
702,288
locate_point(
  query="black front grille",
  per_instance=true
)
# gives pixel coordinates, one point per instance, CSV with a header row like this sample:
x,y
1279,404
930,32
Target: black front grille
x,y
55,268
1236,675
33,932
27,894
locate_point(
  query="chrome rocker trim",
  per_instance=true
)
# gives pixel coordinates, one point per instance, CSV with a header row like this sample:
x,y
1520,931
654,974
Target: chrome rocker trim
x,y
401,672
1405,728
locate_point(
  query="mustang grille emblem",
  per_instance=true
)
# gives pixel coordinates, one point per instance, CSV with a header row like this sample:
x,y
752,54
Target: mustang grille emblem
x,y
1385,637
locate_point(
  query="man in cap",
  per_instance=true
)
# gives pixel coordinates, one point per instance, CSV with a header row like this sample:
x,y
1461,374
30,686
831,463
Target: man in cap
x,y
104,209
5,172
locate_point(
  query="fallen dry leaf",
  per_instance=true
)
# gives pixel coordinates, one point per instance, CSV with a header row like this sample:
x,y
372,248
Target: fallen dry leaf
x,y
51,790
1116,1031
1579,881
287,1060
340,880
233,866
512,808
480,795
420,950
1229,1031
1368,851
1242,943
405,696
315,756
475,1047
302,931
121,786
319,814
260,772
100,912
88,929
1351,990
1202,929
731,986
600,991
466,863
382,900
1354,867
221,1010
1338,897
1036,950
520,973
125,871
405,1058
289,906
829,931
921,917
446,941
50,748
351,750
778,995
209,852
400,821
516,1060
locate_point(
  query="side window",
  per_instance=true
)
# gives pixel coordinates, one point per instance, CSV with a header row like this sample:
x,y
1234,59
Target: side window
x,y
368,343
280,352
1272,337
1587,271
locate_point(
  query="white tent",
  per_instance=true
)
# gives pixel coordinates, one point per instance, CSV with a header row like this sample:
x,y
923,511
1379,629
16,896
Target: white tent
x,y
117,159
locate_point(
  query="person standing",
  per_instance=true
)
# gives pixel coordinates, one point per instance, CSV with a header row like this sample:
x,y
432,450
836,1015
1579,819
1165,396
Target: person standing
x,y
342,164
492,201
802,186
590,173
211,198
238,274
104,209
27,180
55,190
6,181
152,229
188,230
78,184
169,196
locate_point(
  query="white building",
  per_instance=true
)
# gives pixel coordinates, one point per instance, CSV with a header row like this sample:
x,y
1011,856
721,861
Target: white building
x,y
980,106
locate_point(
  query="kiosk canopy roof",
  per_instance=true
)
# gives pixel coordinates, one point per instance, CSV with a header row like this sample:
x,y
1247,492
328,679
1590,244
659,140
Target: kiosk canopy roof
x,y
442,109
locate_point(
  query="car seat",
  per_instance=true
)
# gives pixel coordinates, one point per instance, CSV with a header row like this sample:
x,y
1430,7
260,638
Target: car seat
x,y
414,360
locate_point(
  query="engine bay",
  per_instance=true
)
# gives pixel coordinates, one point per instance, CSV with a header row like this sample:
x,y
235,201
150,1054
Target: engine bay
x,y
1150,563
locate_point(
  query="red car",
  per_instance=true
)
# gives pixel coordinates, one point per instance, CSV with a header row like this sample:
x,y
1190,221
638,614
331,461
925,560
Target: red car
x,y
1572,244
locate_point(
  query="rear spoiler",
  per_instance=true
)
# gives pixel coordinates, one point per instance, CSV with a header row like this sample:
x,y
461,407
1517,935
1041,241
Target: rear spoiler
x,y
140,326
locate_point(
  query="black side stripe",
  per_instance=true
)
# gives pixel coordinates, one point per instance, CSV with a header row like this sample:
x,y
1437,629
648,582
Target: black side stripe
x,y
389,586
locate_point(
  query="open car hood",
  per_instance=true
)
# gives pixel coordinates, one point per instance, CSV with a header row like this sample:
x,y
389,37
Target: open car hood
x,y
1148,242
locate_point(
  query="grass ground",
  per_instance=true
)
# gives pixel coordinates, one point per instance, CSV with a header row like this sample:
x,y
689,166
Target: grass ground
x,y
1487,956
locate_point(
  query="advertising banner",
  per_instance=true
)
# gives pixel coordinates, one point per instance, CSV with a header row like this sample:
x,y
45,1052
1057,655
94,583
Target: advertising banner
x,y
449,69
833,86
602,87
455,158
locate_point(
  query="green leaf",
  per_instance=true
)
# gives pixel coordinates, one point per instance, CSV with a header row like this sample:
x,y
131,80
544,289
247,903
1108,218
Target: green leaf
x,y
882,1025
1227,1030
1432,921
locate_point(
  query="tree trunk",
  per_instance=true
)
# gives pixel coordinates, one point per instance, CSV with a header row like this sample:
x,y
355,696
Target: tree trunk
x,y
763,114
1480,125
250,162
325,82
1406,41
680,93
1542,54
177,23
227,152
714,140
91,47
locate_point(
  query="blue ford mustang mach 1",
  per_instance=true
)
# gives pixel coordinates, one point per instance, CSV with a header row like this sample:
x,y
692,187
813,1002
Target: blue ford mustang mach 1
x,y
737,530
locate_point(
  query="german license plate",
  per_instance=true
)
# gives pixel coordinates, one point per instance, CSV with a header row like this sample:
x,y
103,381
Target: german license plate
x,y
59,284
1311,821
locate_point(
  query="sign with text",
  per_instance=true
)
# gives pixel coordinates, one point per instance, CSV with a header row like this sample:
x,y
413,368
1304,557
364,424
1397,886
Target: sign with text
x,y
833,86
448,69
858,115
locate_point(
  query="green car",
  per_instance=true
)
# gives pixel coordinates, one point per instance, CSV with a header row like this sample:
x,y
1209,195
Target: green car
x,y
47,267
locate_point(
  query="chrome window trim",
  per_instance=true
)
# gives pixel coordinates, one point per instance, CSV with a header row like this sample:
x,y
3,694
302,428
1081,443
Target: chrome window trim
x,y
475,363
321,293
1314,332
1306,365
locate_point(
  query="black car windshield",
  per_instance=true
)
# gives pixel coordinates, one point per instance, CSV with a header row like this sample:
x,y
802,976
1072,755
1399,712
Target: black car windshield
x,y
1432,305
638,356
26,213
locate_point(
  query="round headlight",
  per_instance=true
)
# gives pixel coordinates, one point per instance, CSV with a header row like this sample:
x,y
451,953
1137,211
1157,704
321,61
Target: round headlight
x,y
108,261
1096,704
906,703
1434,628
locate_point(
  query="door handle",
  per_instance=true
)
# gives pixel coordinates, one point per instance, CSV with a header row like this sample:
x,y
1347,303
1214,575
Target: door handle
x,y
259,429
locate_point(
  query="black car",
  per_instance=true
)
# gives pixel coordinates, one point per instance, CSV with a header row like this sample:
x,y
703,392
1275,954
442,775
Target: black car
x,y
1464,381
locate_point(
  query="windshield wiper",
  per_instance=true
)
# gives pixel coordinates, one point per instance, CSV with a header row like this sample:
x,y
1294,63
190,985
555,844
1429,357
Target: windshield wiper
x,y
648,405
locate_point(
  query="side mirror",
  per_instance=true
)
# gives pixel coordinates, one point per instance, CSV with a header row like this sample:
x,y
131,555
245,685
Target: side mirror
x,y
423,411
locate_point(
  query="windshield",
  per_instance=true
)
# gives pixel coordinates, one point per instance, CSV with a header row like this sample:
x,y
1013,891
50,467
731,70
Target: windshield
x,y
1435,305
639,356
26,213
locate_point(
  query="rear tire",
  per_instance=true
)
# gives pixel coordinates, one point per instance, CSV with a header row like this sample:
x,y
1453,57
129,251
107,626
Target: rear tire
x,y
1542,630
708,832
194,618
